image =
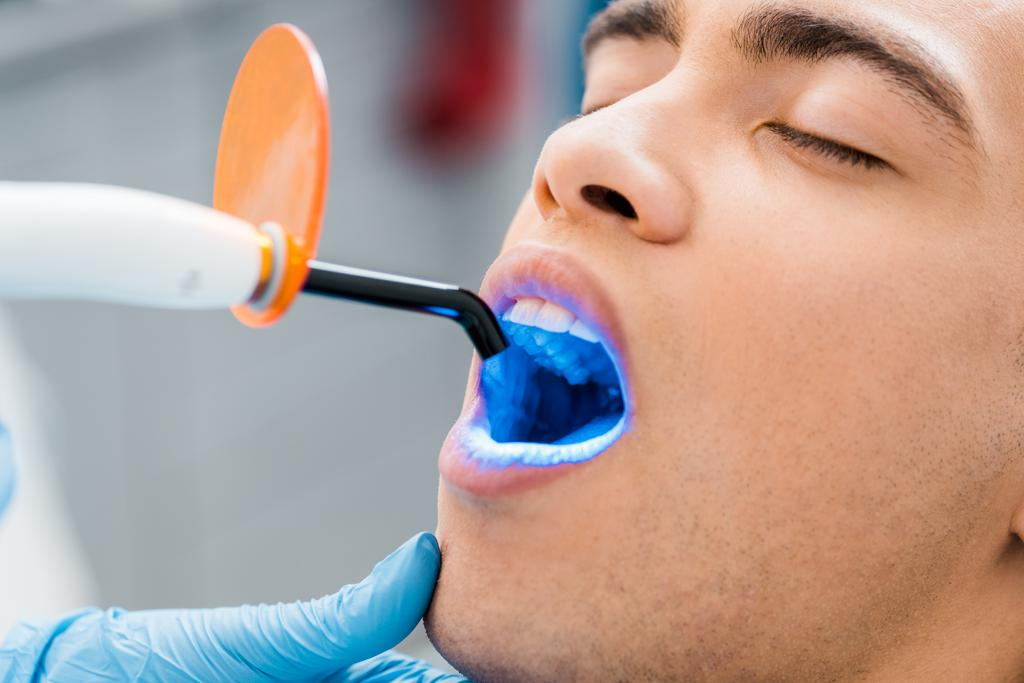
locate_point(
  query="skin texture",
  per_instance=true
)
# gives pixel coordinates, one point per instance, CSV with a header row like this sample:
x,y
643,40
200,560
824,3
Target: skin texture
x,y
824,480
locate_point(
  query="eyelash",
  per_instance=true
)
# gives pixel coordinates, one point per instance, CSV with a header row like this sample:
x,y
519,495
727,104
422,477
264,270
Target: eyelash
x,y
830,149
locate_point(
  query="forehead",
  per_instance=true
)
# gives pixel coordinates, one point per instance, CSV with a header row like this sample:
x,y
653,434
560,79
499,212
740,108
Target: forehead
x,y
989,29
969,21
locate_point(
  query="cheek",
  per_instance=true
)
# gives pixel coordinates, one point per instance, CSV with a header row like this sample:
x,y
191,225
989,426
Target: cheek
x,y
811,375
812,414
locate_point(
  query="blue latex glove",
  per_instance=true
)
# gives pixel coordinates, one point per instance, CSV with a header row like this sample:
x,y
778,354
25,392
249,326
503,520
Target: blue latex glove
x,y
6,469
330,639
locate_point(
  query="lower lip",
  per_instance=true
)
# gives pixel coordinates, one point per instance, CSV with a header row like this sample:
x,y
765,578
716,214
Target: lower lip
x,y
459,468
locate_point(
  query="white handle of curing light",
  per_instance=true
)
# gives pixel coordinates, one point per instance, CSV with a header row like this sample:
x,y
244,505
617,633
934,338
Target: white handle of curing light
x,y
103,243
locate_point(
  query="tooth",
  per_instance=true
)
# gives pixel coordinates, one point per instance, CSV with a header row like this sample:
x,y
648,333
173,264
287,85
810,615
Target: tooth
x,y
525,311
582,330
577,376
567,360
543,362
554,318
520,335
554,345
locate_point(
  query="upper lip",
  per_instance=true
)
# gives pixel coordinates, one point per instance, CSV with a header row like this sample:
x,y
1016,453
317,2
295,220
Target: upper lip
x,y
556,275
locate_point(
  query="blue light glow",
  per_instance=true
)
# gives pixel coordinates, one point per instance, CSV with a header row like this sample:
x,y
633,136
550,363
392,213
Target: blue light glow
x,y
550,399
446,312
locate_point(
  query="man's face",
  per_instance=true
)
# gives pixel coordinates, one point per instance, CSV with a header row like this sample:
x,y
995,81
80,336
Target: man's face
x,y
804,224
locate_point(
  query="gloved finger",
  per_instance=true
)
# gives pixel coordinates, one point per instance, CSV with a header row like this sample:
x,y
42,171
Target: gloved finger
x,y
27,643
305,640
6,468
392,667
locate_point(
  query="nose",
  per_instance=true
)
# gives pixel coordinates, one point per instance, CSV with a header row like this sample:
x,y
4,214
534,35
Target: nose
x,y
600,169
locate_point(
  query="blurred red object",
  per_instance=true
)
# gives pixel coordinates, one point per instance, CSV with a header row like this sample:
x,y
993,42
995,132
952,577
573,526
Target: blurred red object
x,y
462,78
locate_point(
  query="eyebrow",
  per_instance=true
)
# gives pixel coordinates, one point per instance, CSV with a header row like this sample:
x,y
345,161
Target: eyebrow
x,y
771,32
640,20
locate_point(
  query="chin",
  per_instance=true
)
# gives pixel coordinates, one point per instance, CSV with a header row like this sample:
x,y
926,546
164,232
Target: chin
x,y
467,639
510,604
510,628
468,645
478,623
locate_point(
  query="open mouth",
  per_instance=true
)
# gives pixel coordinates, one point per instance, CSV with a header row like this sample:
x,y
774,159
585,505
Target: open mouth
x,y
554,397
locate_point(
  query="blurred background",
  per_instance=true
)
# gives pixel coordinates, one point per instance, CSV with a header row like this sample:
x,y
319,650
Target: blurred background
x,y
175,459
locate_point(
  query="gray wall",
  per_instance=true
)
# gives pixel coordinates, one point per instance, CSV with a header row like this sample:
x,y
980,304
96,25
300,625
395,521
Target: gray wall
x,y
206,463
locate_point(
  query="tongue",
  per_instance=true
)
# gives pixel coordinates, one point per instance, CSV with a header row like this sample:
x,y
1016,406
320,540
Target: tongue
x,y
567,414
590,430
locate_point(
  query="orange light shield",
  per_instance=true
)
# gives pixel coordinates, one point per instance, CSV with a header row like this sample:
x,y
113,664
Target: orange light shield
x,y
273,155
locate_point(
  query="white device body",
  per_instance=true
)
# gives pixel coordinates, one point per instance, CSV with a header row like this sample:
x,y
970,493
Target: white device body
x,y
104,243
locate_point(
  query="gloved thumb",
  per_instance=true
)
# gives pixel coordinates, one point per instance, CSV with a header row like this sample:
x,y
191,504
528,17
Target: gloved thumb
x,y
310,639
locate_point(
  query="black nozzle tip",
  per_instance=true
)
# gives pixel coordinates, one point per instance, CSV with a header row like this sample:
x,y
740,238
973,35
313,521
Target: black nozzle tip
x,y
482,326
392,291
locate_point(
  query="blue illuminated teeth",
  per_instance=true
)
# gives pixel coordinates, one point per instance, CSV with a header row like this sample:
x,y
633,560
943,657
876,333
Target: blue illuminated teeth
x,y
557,340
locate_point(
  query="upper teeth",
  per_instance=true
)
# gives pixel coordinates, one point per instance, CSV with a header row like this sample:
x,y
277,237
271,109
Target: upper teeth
x,y
549,316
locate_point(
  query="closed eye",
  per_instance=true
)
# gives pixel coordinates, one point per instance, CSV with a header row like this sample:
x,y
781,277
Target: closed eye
x,y
830,149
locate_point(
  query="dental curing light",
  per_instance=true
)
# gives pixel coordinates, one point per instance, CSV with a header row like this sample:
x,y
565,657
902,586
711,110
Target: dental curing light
x,y
251,252
272,170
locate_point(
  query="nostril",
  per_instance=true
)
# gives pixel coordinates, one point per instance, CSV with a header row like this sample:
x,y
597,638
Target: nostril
x,y
607,199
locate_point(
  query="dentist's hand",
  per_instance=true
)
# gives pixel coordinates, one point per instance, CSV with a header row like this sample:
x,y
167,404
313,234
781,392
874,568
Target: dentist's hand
x,y
337,638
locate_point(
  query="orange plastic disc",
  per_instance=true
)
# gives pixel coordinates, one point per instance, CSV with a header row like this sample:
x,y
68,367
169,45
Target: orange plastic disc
x,y
273,155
